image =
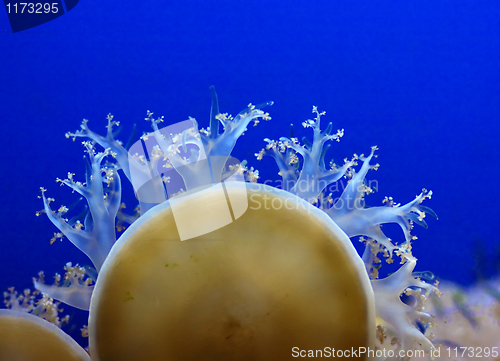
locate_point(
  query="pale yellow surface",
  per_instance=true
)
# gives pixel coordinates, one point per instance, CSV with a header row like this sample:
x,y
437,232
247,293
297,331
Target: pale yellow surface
x,y
24,337
269,281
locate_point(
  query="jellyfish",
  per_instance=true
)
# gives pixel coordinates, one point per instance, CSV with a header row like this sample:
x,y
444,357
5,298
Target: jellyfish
x,y
226,268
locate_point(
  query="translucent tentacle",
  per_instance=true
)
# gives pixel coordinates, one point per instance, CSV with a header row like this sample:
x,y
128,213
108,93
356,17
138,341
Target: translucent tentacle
x,y
350,213
106,142
76,290
98,235
285,158
41,305
313,176
402,317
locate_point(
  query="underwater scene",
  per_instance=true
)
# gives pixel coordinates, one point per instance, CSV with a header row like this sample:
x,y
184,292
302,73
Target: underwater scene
x,y
262,180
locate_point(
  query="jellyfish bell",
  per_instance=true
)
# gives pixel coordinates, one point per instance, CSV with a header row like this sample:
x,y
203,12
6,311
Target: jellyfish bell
x,y
24,336
280,276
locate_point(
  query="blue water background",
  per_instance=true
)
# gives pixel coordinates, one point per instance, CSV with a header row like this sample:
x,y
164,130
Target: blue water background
x,y
420,79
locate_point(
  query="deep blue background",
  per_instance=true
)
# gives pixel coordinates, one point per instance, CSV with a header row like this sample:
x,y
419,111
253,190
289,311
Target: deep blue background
x,y
420,79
